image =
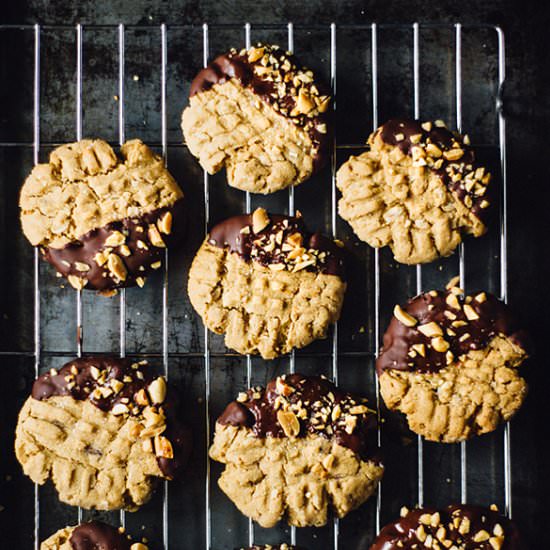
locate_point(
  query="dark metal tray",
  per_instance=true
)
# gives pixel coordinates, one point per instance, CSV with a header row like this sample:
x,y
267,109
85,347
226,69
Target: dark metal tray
x,y
63,82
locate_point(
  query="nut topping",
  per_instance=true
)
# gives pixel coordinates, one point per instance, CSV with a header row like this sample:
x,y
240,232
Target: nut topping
x,y
289,422
481,536
124,250
260,220
431,329
81,266
294,406
358,409
165,223
420,349
163,447
141,398
116,238
77,282
457,527
282,388
453,324
452,301
278,243
304,104
100,258
116,267
440,344
154,237
470,313
157,390
433,147
404,317
255,54
119,409
453,154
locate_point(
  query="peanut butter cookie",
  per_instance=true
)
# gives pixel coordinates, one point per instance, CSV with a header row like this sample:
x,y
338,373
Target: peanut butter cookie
x,y
261,115
101,221
418,189
450,363
94,535
103,430
459,527
267,283
296,450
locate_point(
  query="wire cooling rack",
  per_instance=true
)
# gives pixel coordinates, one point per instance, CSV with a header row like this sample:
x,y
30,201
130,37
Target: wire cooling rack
x,y
453,72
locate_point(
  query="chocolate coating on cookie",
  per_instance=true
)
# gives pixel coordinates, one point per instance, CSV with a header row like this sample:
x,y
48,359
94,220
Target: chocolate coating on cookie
x,y
121,386
458,526
447,154
122,253
436,328
283,242
97,535
276,77
295,405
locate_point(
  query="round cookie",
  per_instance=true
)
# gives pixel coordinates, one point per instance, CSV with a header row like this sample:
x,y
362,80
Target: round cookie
x,y
458,527
262,116
103,222
94,535
450,364
267,283
103,430
296,450
418,189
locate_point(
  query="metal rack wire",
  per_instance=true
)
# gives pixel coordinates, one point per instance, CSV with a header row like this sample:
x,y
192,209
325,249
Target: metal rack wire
x,y
38,353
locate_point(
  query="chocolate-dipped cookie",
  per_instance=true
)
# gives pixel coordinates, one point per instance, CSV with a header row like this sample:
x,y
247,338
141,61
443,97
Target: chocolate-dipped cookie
x,y
261,115
458,527
103,222
451,362
417,189
297,449
103,430
94,535
267,283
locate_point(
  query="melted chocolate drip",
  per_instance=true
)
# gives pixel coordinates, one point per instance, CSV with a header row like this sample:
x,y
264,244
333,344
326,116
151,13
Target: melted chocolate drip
x,y
402,534
97,535
228,234
233,65
444,139
259,413
76,379
138,263
494,318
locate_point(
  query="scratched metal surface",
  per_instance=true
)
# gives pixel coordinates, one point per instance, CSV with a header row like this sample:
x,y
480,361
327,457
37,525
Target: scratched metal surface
x,y
371,85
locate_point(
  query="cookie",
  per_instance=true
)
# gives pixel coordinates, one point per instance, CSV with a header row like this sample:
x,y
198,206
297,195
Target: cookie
x,y
94,535
458,527
103,430
451,364
103,222
262,116
297,449
417,189
267,283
